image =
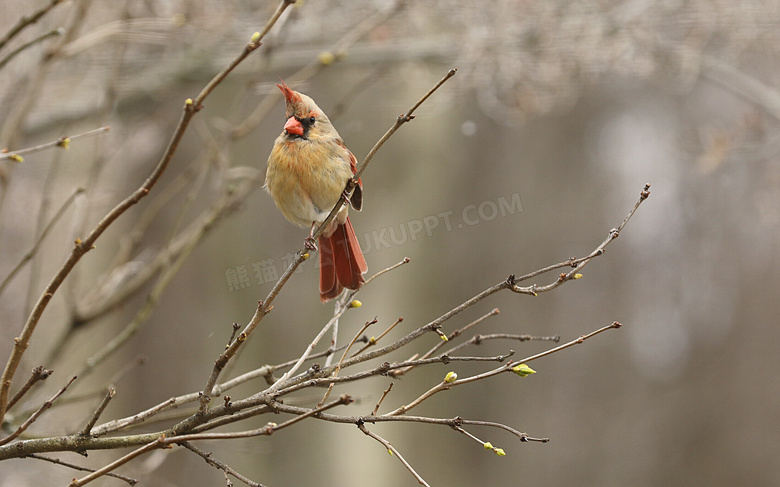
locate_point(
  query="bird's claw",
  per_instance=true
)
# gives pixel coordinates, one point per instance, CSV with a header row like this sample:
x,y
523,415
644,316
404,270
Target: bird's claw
x,y
310,244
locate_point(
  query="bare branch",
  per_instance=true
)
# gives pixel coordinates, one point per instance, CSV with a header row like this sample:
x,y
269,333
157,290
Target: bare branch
x,y
117,463
26,21
220,465
34,250
38,374
57,461
52,33
379,402
373,341
478,339
402,119
191,107
46,405
96,415
63,142
344,355
393,451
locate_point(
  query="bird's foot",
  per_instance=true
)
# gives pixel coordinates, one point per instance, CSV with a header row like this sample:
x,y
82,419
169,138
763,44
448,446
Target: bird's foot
x,y
310,244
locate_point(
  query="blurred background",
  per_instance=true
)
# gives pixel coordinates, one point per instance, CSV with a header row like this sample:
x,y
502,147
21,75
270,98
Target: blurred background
x,y
560,112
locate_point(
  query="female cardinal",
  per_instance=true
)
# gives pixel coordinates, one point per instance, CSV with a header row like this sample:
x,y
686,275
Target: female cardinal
x,y
308,171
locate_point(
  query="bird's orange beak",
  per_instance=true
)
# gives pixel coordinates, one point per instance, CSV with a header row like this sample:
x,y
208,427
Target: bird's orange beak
x,y
293,126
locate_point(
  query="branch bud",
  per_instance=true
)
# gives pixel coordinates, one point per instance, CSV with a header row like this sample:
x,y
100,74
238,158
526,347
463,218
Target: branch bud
x,y
523,370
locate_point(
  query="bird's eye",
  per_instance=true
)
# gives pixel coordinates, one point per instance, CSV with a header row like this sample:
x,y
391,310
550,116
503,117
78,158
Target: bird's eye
x,y
312,120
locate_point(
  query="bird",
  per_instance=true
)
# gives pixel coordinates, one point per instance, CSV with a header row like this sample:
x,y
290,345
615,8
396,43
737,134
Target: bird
x,y
309,170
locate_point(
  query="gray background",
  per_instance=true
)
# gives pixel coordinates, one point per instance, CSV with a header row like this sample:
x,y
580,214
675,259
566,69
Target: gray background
x,y
567,107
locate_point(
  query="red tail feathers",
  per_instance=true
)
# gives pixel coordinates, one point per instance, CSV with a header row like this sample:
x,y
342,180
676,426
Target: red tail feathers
x,y
342,264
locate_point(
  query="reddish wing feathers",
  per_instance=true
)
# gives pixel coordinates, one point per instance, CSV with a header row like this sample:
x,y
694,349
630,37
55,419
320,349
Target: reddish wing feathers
x,y
341,262
357,195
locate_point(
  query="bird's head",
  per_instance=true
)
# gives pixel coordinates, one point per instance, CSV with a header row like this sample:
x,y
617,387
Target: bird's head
x,y
304,117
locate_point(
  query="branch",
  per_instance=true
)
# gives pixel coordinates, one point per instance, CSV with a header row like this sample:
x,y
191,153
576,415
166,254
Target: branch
x,y
57,461
191,107
46,405
38,374
56,32
25,22
31,253
264,307
217,464
392,451
117,463
478,339
63,142
96,415
402,119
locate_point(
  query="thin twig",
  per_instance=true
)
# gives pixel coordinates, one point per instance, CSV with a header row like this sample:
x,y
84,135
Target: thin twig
x,y
379,402
478,339
26,21
268,429
96,415
452,336
63,142
46,405
405,260
220,465
57,461
393,451
402,119
38,374
373,341
52,33
136,418
343,356
576,341
443,386
308,351
581,263
34,250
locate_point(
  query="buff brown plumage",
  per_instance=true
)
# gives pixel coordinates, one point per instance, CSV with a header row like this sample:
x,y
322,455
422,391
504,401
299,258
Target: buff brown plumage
x,y
308,171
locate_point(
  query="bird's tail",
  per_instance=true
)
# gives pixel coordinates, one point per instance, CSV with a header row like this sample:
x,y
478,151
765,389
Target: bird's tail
x,y
342,264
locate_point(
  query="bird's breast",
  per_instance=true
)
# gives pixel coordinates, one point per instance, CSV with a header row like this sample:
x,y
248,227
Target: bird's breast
x,y
306,178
